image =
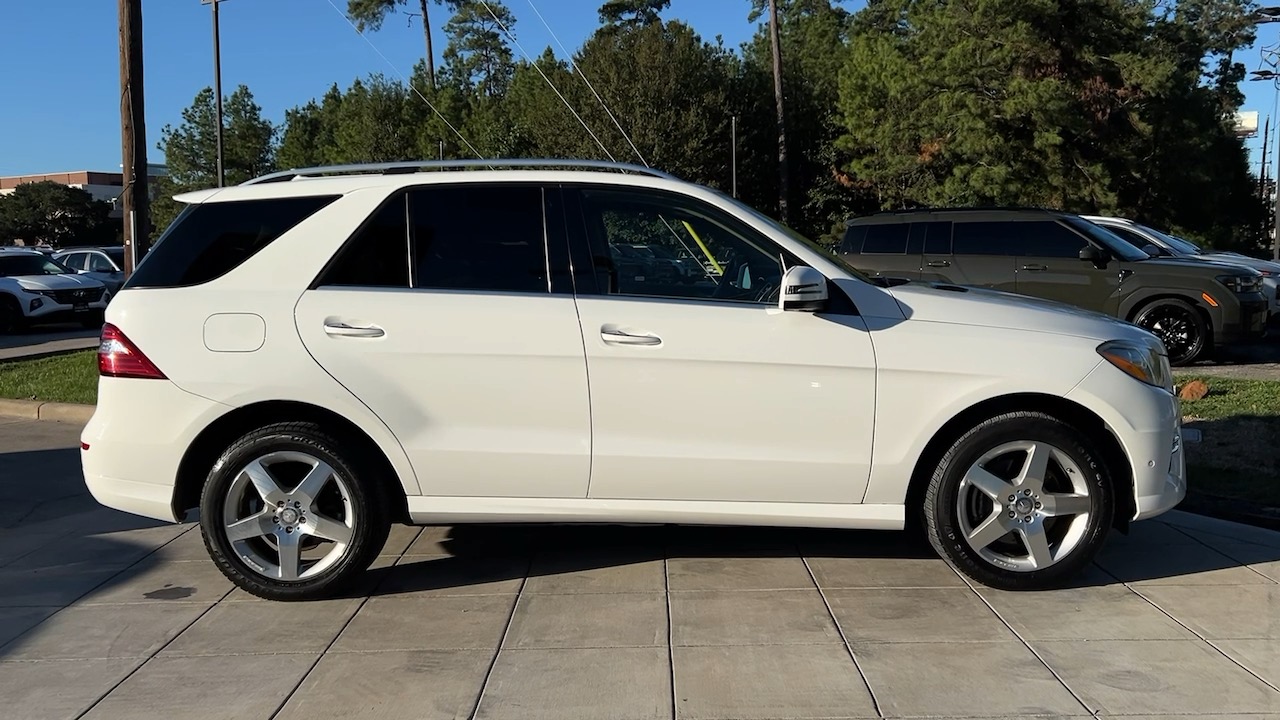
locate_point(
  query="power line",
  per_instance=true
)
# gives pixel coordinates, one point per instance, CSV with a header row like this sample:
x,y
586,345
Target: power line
x,y
544,77
407,82
574,66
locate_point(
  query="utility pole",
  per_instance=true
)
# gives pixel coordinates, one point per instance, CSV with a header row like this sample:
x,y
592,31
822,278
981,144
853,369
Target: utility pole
x,y
133,135
733,135
775,37
217,85
1262,174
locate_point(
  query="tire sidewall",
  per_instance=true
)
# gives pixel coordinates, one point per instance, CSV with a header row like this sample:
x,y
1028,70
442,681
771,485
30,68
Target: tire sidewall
x,y
370,516
942,514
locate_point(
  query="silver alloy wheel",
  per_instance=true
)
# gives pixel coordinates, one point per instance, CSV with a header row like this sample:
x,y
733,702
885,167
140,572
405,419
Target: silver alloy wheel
x,y
283,532
1031,520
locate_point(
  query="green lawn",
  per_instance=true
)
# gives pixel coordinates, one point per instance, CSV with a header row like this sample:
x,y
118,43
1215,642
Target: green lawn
x,y
1238,456
71,378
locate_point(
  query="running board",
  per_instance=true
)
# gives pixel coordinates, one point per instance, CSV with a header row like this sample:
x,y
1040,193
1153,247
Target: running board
x,y
437,510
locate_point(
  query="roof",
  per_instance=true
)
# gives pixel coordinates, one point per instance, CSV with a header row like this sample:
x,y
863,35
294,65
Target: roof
x,y
992,210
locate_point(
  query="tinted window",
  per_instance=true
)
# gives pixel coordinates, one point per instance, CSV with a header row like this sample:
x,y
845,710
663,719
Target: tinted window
x,y
117,255
853,240
937,239
632,235
19,264
1048,239
886,239
75,261
1129,236
984,238
1106,239
479,238
209,240
99,263
378,254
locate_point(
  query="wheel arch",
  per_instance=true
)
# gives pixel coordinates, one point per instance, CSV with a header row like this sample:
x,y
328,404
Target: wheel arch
x,y
214,439
1142,303
1072,413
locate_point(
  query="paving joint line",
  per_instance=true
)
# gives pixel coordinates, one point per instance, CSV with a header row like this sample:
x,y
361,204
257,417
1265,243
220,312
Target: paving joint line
x,y
671,644
155,654
1204,544
506,631
875,702
1202,638
1034,652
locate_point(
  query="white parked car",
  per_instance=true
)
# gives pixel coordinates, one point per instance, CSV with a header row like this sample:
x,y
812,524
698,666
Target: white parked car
x,y
314,355
37,290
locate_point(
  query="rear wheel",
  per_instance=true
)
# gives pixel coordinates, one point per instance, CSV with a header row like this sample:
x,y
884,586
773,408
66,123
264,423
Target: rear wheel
x,y
1021,501
287,515
1179,326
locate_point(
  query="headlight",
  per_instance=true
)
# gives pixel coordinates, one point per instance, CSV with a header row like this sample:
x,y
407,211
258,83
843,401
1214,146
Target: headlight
x,y
1241,283
1146,363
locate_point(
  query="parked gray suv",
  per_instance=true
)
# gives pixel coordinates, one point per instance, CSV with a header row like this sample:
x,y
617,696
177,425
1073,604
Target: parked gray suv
x,y
1191,305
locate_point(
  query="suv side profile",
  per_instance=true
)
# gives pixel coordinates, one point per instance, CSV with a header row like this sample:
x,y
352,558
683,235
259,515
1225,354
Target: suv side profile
x,y
104,264
1191,305
311,356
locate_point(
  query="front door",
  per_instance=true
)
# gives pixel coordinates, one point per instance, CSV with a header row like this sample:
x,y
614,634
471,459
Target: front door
x,y
703,389
982,255
439,315
1049,267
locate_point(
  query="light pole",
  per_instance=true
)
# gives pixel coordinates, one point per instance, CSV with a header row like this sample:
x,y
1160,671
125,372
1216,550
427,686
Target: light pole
x,y
217,85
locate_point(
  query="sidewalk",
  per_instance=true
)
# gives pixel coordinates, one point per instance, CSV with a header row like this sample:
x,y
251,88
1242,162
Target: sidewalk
x,y
120,617
30,344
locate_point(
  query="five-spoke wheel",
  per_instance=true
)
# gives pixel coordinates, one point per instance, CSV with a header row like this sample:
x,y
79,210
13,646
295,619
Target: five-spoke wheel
x,y
1019,501
286,515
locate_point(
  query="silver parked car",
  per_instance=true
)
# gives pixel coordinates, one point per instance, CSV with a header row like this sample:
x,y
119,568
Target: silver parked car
x,y
104,264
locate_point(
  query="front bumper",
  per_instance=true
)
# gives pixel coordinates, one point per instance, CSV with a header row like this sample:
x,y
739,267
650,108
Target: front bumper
x,y
1248,325
45,309
1147,422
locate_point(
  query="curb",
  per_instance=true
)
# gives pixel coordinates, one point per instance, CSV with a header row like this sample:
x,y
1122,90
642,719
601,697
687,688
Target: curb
x,y
50,411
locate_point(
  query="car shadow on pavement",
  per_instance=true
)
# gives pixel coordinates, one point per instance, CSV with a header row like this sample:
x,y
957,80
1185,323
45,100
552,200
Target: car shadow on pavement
x,y
483,556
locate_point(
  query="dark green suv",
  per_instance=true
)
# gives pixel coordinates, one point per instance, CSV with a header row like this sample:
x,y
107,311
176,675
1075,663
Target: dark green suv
x,y
1191,305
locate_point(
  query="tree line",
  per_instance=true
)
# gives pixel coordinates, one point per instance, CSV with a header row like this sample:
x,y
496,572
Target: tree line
x,y
1119,107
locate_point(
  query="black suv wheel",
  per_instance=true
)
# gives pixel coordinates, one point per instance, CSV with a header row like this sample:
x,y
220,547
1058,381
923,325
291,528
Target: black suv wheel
x,y
1179,326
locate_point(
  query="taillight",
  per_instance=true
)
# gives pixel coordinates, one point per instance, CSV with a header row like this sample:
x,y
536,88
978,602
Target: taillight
x,y
119,357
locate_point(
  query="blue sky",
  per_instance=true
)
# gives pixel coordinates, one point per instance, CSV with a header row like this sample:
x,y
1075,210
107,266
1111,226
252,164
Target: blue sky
x,y
60,86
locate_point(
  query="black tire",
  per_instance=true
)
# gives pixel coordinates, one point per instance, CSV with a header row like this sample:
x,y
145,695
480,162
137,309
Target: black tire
x,y
941,503
369,506
1180,326
12,320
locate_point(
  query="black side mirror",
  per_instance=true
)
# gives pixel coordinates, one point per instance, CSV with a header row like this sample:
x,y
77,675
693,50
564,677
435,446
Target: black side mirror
x,y
1095,255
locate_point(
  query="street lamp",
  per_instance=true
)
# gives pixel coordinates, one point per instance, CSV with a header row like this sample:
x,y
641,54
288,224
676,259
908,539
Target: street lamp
x,y
217,84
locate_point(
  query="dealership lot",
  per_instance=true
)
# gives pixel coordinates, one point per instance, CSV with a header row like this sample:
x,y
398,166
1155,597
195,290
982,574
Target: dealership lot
x,y
111,616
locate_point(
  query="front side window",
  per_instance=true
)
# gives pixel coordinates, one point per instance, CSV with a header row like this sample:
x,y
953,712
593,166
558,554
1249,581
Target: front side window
x,y
886,239
211,239
75,261
100,263
479,237
1048,239
660,245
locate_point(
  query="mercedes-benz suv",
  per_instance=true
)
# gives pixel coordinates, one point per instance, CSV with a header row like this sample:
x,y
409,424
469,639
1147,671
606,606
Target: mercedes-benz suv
x,y
309,357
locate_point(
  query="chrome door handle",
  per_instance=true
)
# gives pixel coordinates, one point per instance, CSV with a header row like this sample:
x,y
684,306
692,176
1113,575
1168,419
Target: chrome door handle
x,y
618,337
939,263
341,329
1035,267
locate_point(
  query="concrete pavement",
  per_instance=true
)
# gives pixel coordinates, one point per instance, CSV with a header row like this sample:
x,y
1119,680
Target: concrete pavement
x,y
103,615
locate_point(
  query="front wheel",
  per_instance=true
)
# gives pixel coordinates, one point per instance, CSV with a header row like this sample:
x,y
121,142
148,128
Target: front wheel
x,y
1021,501
11,318
287,515
1179,326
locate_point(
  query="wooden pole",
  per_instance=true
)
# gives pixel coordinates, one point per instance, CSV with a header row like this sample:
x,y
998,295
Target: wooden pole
x,y
783,172
133,135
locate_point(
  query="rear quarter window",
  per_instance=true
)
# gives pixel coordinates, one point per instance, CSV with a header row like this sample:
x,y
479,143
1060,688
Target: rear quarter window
x,y
209,240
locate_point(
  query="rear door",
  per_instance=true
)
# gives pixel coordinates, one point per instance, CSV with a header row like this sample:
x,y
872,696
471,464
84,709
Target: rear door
x,y
983,254
937,264
1049,266
444,316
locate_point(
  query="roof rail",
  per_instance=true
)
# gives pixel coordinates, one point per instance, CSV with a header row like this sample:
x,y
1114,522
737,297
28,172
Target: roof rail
x,y
414,166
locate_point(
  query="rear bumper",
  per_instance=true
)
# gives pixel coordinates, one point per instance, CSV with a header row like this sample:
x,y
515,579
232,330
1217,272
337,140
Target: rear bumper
x,y
134,443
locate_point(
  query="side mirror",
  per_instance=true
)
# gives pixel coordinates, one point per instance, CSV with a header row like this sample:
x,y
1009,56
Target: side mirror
x,y
1152,251
1095,255
804,289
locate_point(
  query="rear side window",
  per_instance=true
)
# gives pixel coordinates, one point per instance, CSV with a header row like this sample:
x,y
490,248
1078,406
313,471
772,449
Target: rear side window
x,y
479,237
937,239
209,240
378,254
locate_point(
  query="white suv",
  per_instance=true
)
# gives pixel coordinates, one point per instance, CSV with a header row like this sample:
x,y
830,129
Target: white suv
x,y
36,290
316,354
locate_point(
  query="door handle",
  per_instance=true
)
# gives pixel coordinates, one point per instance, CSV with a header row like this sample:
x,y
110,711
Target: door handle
x,y
939,263
341,329
614,336
1035,267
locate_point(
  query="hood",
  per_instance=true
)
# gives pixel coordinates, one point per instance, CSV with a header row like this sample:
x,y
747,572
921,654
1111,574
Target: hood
x,y
1193,262
1238,259
56,282
956,305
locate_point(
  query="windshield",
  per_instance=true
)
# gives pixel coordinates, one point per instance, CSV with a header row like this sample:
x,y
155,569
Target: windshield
x,y
815,247
19,265
1107,239
1178,243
